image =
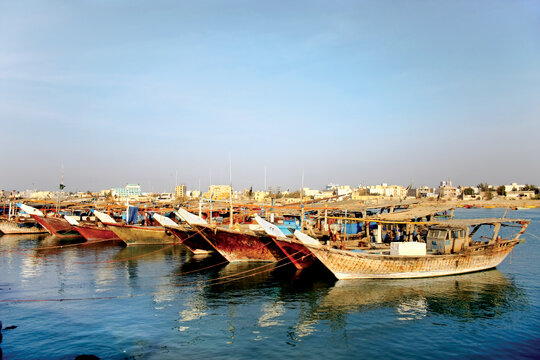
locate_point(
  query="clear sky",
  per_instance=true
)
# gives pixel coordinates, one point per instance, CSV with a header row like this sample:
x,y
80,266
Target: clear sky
x,y
352,92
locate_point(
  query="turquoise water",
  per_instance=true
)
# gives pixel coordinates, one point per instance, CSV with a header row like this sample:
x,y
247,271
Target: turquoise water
x,y
163,303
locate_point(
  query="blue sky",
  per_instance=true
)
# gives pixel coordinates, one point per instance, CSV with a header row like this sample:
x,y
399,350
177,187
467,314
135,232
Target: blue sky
x,y
352,92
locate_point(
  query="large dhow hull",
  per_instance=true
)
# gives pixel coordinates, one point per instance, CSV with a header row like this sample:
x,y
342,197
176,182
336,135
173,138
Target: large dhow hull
x,y
352,265
191,239
142,235
299,255
236,246
9,227
96,234
57,226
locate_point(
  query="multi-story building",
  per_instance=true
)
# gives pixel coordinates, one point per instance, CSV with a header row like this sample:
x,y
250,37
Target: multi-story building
x,y
129,190
448,192
425,192
218,192
388,190
180,191
260,195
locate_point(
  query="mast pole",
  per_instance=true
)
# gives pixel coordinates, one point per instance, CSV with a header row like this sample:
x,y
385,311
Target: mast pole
x,y
230,193
302,203
60,192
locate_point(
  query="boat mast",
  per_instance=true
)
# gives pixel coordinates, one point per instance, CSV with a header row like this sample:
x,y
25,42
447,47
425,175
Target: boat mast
x,y
211,190
230,193
62,186
302,203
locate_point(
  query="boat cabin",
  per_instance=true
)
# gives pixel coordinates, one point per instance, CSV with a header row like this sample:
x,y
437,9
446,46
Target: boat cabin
x,y
447,239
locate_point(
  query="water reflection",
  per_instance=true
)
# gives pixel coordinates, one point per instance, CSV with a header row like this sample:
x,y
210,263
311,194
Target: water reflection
x,y
153,253
487,294
468,297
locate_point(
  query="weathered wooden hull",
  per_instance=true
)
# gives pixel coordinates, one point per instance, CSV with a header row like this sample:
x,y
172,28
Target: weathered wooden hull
x,y
299,255
352,265
57,226
191,239
94,233
11,227
142,235
237,246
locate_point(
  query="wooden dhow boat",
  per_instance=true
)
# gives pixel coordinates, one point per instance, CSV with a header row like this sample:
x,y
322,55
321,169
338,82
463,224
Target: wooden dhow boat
x,y
448,250
57,226
242,243
94,232
132,234
295,250
186,235
142,235
20,226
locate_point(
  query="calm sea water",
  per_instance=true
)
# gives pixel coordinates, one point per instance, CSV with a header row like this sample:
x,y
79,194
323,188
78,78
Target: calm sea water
x,y
163,303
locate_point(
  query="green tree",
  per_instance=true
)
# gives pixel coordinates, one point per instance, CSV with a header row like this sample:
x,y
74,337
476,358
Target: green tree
x,y
501,190
529,187
483,186
489,194
468,191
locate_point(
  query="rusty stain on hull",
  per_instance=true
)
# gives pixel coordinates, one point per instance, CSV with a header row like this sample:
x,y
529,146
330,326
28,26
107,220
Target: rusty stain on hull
x,y
57,226
240,246
191,239
296,252
94,233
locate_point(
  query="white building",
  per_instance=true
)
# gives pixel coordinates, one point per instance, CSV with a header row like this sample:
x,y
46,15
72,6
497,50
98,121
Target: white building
x,y
129,190
513,187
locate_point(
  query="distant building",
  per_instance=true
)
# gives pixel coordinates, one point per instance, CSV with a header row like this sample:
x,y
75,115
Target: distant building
x,y
448,192
165,196
274,189
41,195
129,190
180,191
332,186
325,194
218,192
388,190
260,195
521,194
425,192
310,192
513,188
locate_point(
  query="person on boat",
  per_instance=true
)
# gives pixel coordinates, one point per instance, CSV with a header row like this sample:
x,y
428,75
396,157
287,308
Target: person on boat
x,y
397,236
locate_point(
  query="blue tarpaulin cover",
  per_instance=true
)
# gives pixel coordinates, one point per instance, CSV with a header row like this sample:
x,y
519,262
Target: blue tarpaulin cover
x,y
133,214
351,228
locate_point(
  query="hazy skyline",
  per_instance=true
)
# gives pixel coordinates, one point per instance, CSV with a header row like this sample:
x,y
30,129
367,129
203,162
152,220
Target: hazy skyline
x,y
351,92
